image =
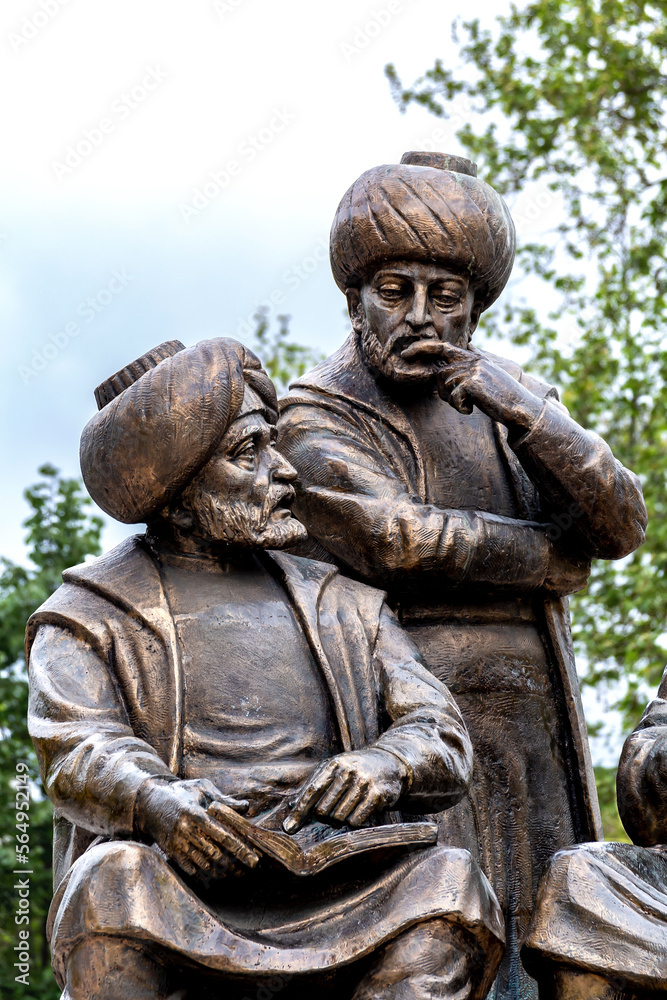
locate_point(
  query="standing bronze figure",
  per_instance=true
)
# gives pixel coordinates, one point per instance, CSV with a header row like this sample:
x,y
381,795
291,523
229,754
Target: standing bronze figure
x,y
600,926
238,742
460,483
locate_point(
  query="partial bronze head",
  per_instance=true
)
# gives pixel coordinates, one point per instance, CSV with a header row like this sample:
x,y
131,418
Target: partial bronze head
x,y
420,249
183,441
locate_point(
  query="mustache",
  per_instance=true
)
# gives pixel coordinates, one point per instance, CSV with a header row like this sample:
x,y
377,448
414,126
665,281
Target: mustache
x,y
280,496
402,338
247,524
235,512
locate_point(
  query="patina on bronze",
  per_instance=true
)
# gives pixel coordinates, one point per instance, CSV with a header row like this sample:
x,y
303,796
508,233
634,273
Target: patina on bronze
x,y
460,483
600,925
239,742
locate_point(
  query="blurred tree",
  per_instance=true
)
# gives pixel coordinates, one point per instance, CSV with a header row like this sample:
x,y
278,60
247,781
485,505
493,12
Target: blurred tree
x,y
567,108
61,533
605,779
284,361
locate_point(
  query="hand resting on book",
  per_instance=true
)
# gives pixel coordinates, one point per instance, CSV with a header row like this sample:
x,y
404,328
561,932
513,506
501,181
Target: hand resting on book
x,y
350,787
173,815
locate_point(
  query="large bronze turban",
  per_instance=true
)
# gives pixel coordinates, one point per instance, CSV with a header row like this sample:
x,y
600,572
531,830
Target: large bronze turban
x,y
429,208
161,419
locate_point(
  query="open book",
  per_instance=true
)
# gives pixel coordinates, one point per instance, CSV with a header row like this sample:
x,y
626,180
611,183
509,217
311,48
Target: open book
x,y
311,859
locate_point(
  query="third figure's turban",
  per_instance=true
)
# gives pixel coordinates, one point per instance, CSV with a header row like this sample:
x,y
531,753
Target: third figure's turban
x,y
430,208
160,420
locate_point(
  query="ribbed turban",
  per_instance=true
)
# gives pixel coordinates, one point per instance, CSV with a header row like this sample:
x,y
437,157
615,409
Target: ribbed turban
x,y
160,420
430,208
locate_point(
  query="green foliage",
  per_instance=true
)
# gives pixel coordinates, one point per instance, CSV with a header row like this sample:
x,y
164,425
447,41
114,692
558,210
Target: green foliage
x,y
568,101
605,779
61,533
283,360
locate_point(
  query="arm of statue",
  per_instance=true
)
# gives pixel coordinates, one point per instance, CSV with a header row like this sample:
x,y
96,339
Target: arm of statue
x,y
642,775
174,816
424,727
358,508
421,762
100,776
573,469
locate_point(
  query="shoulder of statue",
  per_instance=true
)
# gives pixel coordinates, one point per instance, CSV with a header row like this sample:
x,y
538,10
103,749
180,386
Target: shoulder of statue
x,y
111,567
125,579
118,576
342,377
332,371
88,592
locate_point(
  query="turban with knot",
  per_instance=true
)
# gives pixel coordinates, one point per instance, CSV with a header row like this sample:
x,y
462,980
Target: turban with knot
x,y
429,208
161,419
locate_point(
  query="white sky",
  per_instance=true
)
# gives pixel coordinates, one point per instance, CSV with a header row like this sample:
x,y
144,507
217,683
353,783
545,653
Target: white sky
x,y
294,92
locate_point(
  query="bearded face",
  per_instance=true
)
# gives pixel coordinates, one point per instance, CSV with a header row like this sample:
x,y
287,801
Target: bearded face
x,y
411,305
242,496
242,523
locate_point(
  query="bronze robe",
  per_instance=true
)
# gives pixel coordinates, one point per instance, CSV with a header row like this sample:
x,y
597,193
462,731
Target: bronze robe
x,y
455,537
602,908
103,725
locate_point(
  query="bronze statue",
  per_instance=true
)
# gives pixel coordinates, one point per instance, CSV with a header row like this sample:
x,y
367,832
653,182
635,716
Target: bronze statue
x,y
238,742
600,925
460,484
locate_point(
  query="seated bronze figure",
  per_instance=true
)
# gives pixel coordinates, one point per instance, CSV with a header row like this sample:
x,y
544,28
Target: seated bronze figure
x,y
239,743
600,926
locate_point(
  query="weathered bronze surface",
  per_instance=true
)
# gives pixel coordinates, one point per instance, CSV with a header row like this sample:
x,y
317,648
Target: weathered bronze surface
x,y
460,483
240,743
600,926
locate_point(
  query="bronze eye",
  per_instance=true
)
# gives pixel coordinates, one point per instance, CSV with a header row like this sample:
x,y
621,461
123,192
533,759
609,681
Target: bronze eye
x,y
446,298
245,455
392,291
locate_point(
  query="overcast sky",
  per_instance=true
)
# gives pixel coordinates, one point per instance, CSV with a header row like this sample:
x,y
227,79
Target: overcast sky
x,y
168,166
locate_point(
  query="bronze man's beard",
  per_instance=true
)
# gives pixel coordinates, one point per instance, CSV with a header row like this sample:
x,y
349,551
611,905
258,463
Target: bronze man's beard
x,y
235,522
384,359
